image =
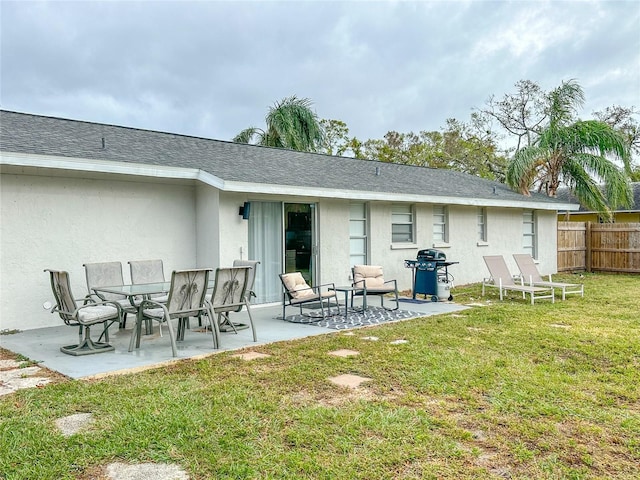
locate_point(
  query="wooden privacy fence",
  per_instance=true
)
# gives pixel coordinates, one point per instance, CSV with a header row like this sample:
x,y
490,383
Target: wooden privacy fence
x,y
599,247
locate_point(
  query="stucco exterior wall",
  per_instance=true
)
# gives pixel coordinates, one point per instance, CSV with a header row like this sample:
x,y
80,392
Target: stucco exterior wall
x,y
61,223
234,231
333,241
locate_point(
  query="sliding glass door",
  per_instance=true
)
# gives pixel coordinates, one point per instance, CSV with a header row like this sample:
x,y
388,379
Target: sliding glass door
x,y
282,236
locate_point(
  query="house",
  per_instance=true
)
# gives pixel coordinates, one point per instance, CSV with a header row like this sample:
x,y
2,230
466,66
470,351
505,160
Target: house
x,y
75,192
620,215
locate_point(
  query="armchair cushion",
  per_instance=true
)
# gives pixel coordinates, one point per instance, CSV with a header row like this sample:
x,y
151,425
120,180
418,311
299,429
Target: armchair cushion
x,y
96,313
369,275
297,286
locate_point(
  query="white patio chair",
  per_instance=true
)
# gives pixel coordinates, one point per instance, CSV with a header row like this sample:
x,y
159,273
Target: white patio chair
x,y
530,274
502,279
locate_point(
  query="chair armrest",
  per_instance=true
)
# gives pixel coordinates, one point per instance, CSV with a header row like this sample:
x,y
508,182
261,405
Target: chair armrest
x,y
395,283
328,285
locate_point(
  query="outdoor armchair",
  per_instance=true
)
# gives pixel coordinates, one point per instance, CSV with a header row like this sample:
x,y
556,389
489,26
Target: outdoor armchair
x,y
109,274
502,279
530,274
83,316
186,299
148,271
370,279
297,292
229,295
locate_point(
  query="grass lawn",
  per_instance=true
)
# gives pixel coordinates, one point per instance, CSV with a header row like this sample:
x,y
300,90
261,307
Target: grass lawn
x,y
506,390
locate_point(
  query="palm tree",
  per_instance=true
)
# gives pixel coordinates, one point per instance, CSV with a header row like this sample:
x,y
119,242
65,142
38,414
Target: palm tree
x,y
575,152
290,124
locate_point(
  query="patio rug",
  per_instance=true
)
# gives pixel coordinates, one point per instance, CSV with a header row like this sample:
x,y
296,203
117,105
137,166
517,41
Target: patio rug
x,y
414,300
371,316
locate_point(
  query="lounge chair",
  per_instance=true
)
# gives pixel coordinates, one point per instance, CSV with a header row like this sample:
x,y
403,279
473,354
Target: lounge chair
x,y
531,275
502,279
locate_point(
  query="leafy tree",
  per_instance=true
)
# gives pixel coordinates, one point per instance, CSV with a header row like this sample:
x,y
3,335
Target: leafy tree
x,y
521,114
623,119
459,146
291,123
575,152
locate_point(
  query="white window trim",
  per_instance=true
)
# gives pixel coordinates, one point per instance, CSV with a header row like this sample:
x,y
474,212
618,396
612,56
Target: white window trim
x,y
444,243
413,242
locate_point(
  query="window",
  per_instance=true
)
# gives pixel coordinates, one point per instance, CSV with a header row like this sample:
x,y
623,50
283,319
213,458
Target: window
x,y
401,224
358,233
529,233
440,234
482,225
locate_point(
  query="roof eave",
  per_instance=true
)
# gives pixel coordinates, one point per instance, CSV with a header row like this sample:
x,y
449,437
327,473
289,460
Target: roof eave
x,y
167,172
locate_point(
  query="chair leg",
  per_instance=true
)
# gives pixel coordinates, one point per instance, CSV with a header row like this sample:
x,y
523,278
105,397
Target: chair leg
x,y
174,347
86,346
215,331
253,327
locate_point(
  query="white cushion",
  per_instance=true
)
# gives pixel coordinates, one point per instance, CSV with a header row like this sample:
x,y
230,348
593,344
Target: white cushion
x,y
97,314
370,274
297,286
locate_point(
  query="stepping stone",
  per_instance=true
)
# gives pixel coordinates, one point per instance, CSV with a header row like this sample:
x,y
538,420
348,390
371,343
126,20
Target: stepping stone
x,y
144,471
399,342
348,380
74,423
4,364
251,355
17,378
371,339
476,304
344,353
348,334
557,325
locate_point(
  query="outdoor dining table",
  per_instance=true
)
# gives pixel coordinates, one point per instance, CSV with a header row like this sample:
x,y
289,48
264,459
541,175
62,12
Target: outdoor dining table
x,y
137,290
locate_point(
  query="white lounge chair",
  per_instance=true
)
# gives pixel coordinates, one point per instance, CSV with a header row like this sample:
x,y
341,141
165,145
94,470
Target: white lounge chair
x,y
502,279
531,275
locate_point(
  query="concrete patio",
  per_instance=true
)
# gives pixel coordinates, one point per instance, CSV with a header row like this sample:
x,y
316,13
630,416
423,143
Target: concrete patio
x,y
43,345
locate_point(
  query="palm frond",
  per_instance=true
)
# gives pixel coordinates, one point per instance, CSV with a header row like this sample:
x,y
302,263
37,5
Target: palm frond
x,y
293,124
617,188
586,190
564,103
247,135
522,169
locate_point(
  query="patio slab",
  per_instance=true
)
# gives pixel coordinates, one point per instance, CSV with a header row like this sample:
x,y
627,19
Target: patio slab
x,y
43,344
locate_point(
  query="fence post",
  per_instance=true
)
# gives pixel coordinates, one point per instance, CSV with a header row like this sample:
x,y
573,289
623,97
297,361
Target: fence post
x,y
587,241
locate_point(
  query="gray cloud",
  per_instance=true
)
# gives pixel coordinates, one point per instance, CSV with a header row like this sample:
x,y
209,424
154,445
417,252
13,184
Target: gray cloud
x,y
213,68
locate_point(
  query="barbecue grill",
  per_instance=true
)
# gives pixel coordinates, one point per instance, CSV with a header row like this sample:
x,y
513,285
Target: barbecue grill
x,y
431,274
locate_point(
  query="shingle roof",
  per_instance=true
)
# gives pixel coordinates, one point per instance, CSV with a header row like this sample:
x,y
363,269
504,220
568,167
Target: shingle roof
x,y
33,134
565,195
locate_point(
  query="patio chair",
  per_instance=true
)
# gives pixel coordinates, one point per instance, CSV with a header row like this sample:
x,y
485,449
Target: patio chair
x,y
83,316
252,275
502,279
105,274
229,295
531,274
371,280
187,295
148,271
226,325
298,293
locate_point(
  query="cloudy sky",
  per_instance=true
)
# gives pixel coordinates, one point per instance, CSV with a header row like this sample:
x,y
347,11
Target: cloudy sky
x,y
212,68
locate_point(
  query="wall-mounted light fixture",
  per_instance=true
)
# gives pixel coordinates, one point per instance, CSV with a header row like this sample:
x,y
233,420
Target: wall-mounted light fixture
x,y
245,210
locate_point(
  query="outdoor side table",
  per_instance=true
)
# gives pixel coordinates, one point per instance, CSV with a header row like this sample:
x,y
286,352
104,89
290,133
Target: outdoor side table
x,y
349,289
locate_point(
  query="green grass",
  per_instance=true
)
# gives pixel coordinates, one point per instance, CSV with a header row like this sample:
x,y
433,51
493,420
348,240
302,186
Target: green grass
x,y
508,389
